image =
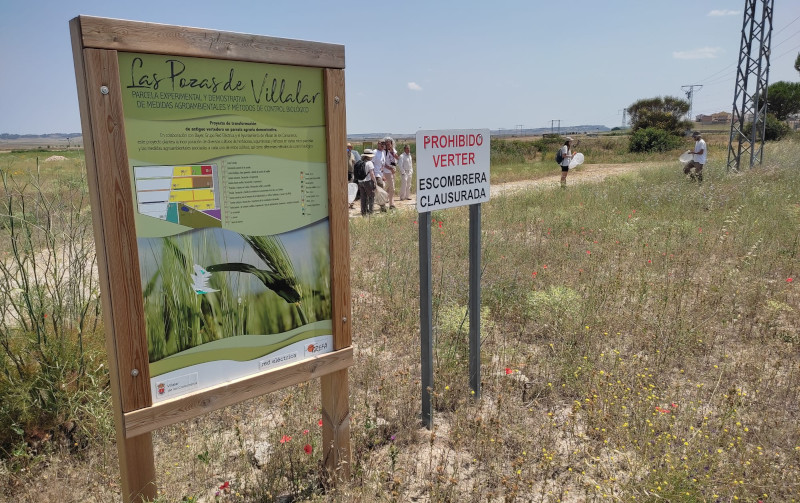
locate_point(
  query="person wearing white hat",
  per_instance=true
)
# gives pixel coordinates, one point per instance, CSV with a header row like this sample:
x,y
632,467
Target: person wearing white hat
x,y
366,182
566,157
699,156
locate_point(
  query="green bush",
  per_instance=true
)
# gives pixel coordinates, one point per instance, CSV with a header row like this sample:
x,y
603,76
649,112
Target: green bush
x,y
653,140
775,128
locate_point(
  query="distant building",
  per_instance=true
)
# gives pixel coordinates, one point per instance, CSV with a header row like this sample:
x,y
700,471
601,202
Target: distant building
x,y
717,118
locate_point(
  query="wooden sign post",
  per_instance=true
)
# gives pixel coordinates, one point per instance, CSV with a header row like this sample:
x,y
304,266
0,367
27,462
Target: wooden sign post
x,y
215,162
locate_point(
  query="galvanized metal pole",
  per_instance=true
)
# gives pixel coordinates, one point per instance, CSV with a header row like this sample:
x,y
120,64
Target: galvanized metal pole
x,y
425,317
475,299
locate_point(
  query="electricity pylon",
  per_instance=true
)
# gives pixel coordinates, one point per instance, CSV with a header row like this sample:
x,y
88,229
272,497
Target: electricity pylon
x,y
752,79
690,95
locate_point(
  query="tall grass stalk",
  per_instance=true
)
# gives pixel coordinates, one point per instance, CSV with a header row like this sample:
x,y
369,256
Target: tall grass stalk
x,y
49,306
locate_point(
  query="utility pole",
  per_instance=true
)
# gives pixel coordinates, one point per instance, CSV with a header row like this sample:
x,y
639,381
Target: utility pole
x,y
689,91
750,94
552,125
519,129
624,117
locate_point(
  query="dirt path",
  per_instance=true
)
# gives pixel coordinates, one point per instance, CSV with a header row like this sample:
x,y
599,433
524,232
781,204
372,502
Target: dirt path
x,y
587,173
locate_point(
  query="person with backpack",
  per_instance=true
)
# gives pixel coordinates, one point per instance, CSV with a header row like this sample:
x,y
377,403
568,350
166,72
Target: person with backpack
x,y
563,158
364,174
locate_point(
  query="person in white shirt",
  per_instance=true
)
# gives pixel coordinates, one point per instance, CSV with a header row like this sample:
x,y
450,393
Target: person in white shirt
x,y
566,157
378,162
699,157
405,166
389,167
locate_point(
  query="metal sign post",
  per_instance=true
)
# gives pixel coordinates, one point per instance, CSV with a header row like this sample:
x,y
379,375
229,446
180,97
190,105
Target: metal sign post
x,y
475,299
425,318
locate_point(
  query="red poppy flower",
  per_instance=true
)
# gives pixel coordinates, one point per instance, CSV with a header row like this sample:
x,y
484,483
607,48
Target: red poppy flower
x,y
319,423
508,371
307,448
789,280
225,485
285,439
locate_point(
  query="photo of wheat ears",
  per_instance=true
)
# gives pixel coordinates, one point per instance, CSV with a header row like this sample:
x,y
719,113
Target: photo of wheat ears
x,y
254,285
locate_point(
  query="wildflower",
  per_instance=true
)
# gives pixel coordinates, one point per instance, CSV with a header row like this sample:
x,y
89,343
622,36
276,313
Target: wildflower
x,y
285,439
307,448
789,280
225,486
508,371
319,423
305,432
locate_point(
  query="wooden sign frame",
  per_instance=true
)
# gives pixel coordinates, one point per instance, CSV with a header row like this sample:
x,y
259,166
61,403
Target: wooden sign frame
x,y
95,43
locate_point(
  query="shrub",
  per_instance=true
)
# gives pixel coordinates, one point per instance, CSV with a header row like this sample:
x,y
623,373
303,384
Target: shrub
x,y
775,129
653,140
49,330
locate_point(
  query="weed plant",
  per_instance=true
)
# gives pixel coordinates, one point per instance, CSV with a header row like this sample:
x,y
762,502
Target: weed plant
x,y
639,343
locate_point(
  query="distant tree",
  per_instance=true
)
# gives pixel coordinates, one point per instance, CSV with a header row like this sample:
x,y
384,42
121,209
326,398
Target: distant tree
x,y
661,113
797,63
783,99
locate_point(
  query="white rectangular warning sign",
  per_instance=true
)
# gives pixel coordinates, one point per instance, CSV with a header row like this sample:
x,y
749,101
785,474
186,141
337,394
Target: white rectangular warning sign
x,y
452,168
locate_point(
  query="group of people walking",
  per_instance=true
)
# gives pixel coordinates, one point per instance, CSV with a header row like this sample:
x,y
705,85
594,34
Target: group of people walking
x,y
374,172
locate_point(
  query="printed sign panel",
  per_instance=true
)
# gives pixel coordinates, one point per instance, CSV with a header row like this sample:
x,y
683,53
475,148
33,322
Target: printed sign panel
x,y
229,176
452,168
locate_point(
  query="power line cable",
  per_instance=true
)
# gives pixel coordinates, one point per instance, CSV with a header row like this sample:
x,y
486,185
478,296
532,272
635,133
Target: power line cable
x,y
788,25
706,79
787,52
786,40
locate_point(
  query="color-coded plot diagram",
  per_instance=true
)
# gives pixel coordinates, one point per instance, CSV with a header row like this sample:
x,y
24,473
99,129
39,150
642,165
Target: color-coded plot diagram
x,y
185,195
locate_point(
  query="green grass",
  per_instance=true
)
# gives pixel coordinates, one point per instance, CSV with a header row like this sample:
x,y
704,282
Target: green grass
x,y
639,344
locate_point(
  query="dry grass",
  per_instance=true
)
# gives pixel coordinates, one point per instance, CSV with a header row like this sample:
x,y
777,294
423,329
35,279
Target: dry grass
x,y
640,343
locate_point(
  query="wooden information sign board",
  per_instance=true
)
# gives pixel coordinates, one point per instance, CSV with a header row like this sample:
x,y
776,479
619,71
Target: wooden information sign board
x,y
215,162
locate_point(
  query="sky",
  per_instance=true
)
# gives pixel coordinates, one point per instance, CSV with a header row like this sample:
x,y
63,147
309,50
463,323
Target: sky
x,y
435,64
